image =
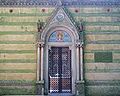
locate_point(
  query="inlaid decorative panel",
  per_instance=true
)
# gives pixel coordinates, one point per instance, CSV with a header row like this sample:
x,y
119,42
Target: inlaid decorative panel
x,y
103,57
60,36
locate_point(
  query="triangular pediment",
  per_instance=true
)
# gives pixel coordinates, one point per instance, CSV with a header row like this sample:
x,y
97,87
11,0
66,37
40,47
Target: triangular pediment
x,y
60,18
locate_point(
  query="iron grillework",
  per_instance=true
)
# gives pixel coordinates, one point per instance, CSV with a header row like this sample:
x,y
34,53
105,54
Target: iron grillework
x,y
59,70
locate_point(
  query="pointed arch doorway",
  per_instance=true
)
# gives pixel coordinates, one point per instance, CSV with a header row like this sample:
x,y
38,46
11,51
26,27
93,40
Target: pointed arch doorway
x,y
60,52
59,63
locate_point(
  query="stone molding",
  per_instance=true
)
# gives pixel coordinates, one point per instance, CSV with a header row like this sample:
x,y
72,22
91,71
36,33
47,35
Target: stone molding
x,y
57,3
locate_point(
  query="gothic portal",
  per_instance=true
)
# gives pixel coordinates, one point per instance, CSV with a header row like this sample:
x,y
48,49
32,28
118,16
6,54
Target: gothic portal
x,y
60,47
61,59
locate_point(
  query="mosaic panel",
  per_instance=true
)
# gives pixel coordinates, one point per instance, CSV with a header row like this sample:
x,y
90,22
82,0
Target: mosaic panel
x,y
59,36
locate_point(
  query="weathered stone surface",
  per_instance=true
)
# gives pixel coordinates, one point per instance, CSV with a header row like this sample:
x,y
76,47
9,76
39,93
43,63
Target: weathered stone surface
x,y
18,76
13,66
20,26
102,76
80,88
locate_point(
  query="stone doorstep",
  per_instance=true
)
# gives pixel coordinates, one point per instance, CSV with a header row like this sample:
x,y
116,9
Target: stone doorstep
x,y
24,95
42,95
36,95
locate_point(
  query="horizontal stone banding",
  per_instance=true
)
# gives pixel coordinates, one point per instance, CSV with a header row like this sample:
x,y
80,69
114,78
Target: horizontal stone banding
x,y
17,38
13,66
102,76
17,76
17,60
17,56
17,46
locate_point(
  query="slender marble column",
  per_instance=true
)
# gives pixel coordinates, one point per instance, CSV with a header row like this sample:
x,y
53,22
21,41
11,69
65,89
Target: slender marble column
x,y
38,62
81,61
42,50
78,62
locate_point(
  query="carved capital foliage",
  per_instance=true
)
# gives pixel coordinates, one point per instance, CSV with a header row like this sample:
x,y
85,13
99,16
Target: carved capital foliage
x,y
79,44
40,44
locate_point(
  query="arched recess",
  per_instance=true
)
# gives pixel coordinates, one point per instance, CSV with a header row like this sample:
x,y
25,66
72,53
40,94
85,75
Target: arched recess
x,y
60,21
72,47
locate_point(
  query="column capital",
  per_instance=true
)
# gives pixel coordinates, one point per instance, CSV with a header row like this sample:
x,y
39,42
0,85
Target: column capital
x,y
77,44
40,44
81,44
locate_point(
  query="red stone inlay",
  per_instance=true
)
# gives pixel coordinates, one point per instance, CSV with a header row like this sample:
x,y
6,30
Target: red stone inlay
x,y
76,11
11,10
43,10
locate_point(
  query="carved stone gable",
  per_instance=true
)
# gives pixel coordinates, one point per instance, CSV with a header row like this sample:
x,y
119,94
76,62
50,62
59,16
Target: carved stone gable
x,y
60,18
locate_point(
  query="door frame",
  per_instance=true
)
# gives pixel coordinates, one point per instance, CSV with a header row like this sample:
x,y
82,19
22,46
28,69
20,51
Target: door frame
x,y
73,63
74,45
68,50
68,25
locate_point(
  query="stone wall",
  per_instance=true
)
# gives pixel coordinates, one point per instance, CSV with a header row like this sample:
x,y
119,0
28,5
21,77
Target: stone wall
x,y
102,34
18,30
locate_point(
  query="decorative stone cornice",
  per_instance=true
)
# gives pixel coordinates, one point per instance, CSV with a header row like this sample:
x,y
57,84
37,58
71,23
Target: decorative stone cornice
x,y
57,3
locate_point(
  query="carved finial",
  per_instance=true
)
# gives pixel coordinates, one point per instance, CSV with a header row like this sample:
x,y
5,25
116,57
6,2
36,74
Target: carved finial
x,y
81,26
40,25
81,29
60,3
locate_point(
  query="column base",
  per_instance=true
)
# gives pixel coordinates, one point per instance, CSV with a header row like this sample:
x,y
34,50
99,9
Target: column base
x,y
80,88
40,87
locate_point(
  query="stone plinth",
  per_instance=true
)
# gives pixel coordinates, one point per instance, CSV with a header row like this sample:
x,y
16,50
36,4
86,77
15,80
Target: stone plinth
x,y
80,88
40,87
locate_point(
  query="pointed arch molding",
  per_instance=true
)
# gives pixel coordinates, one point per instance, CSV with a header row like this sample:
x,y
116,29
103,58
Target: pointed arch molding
x,y
60,20
67,29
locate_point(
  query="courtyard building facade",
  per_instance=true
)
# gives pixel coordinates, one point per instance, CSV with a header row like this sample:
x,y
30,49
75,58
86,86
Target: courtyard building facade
x,y
60,47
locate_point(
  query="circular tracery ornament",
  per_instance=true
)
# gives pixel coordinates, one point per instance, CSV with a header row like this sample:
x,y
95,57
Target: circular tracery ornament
x,y
60,17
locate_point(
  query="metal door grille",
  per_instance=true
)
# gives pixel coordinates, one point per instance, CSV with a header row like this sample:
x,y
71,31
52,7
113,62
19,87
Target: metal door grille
x,y
59,70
